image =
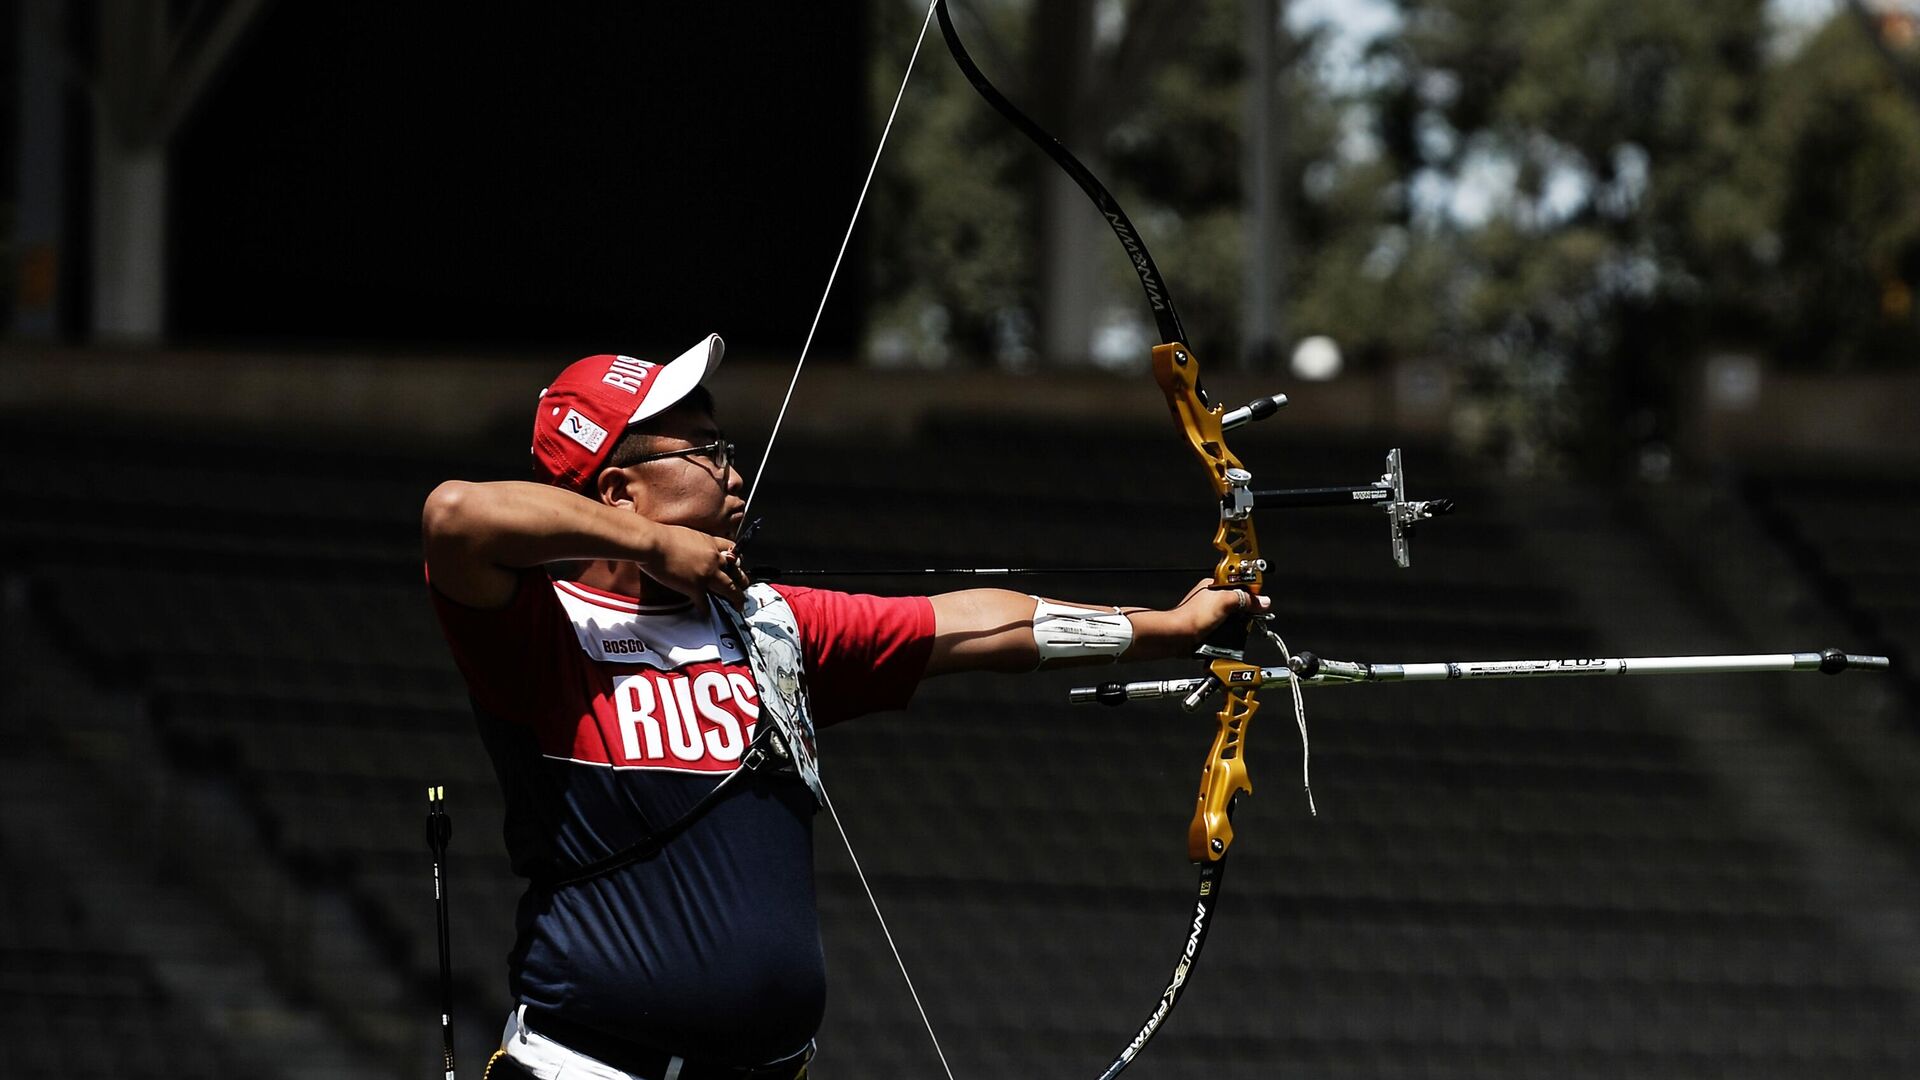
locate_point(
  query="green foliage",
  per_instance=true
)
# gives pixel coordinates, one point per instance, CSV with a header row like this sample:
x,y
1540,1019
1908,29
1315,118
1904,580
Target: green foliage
x,y
1843,254
949,253
1669,188
1175,164
1579,168
953,254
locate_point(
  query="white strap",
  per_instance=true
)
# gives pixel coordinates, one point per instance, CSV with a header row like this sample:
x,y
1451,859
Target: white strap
x,y
1070,632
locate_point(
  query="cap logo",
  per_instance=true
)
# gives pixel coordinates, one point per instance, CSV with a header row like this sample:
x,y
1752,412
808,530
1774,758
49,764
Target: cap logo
x,y
583,431
628,373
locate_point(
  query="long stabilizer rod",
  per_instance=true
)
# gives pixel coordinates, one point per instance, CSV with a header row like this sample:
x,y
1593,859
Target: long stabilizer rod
x,y
1311,670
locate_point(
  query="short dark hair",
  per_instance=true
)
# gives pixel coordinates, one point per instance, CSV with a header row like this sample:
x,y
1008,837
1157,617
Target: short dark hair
x,y
638,441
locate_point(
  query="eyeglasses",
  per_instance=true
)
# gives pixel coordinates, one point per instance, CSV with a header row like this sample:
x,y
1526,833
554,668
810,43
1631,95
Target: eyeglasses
x,y
721,452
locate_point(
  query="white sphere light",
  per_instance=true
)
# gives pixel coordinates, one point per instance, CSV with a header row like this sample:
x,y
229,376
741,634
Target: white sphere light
x,y
1316,359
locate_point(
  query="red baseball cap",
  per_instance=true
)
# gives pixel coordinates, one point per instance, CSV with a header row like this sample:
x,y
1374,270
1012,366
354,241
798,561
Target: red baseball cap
x,y
582,415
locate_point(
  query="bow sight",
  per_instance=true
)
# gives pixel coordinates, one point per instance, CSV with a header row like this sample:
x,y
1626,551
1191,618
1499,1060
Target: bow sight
x,y
1389,492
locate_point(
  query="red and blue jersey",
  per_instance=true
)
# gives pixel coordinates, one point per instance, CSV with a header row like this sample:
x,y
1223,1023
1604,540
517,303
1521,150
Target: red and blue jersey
x,y
606,719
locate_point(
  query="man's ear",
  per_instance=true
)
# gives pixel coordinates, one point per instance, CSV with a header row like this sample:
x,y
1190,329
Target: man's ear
x,y
614,487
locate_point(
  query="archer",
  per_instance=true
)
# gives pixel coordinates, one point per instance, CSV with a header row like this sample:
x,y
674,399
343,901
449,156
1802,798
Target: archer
x,y
651,716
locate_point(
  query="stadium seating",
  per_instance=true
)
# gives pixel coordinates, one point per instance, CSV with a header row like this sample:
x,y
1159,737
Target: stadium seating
x,y
1506,880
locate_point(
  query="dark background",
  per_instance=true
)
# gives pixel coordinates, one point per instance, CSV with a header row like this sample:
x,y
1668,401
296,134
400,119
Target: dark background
x,y
496,175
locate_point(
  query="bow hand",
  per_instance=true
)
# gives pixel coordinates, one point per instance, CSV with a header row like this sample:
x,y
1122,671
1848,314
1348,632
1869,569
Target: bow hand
x,y
1213,620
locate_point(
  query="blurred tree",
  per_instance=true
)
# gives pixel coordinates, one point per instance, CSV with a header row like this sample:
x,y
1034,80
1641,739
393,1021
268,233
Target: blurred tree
x,y
951,267
1571,202
1893,30
1587,172
1845,239
990,250
1615,189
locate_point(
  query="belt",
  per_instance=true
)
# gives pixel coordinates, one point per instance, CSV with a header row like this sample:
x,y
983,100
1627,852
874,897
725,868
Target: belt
x,y
642,1060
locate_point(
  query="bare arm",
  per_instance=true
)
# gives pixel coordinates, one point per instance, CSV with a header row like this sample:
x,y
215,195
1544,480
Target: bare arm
x,y
992,629
479,536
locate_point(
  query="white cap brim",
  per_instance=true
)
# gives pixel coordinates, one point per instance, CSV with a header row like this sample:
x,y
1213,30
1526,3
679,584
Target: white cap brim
x,y
679,376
